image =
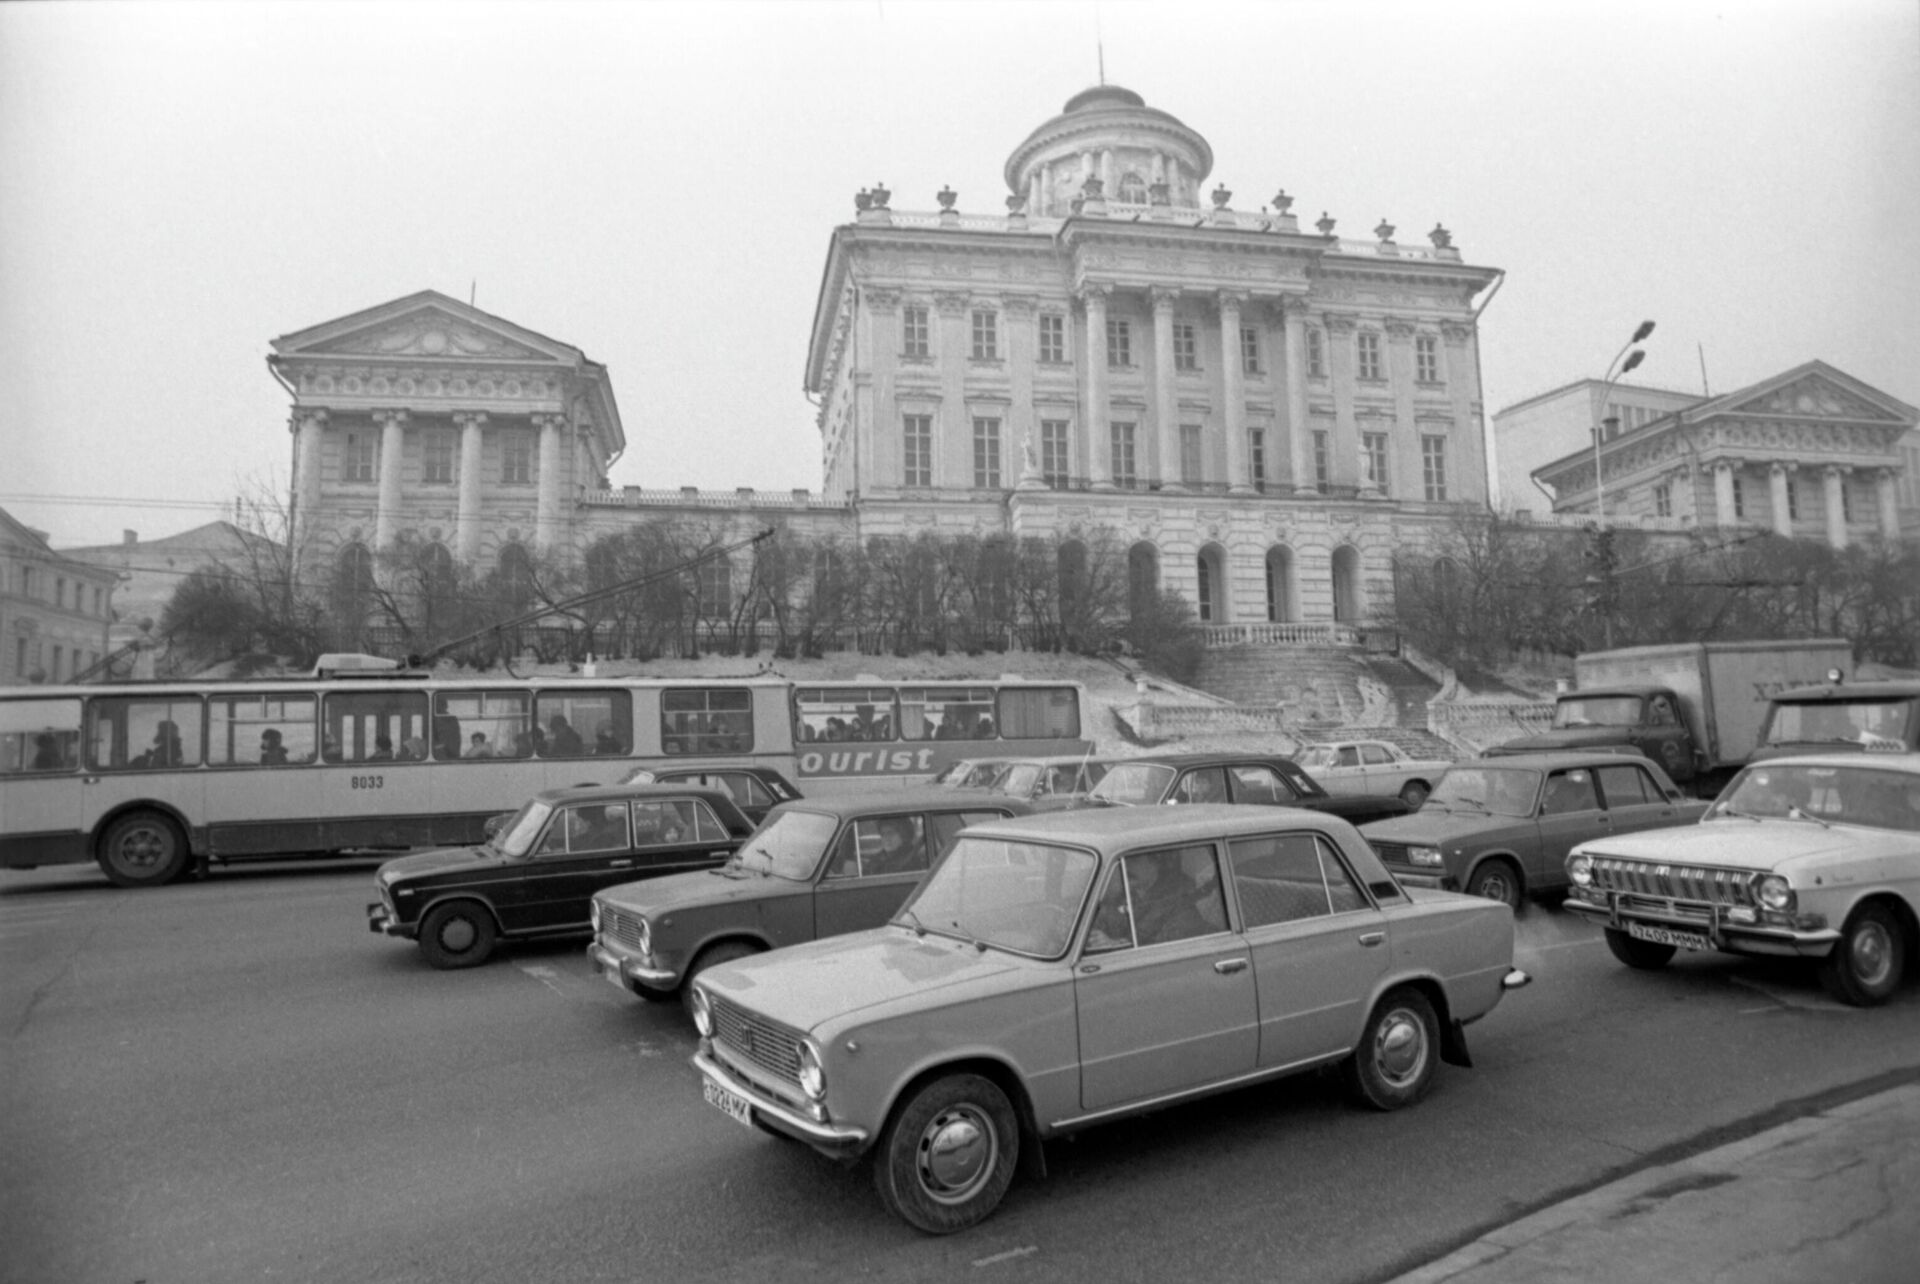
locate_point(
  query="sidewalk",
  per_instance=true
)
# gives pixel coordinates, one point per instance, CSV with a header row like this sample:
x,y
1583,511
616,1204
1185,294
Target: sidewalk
x,y
1831,1196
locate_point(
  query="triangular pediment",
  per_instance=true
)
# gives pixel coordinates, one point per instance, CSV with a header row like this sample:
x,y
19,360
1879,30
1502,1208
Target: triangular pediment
x,y
427,325
1814,394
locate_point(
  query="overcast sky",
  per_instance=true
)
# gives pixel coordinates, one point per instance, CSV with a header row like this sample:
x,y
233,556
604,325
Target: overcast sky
x,y
656,183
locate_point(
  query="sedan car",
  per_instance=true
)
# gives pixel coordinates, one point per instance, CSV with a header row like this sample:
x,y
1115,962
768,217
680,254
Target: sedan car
x,y
535,876
1502,827
1261,779
969,773
814,868
1052,783
1371,767
1814,857
1065,970
755,790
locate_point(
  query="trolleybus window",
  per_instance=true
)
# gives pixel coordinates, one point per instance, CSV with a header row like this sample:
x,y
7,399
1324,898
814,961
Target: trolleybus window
x,y
39,735
1039,713
947,713
844,713
361,726
261,730
706,721
482,724
577,724
130,733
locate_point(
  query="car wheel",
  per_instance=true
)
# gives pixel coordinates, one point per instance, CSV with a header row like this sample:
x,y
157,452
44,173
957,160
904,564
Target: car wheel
x,y
1646,956
1496,880
1399,1050
142,849
1413,793
1867,961
457,934
948,1155
713,955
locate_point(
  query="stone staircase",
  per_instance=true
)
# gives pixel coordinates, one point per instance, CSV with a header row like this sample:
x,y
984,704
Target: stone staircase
x,y
1327,691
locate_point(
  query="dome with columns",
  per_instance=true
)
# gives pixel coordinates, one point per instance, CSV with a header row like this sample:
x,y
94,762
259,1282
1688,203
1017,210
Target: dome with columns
x,y
1140,155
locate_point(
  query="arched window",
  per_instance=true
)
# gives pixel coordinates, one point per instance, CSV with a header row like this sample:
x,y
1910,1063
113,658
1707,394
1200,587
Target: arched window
x,y
1210,567
1143,577
1132,189
1347,603
1280,588
351,594
516,573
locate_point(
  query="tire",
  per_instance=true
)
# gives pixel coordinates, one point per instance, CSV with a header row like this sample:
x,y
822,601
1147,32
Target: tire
x,y
948,1154
1643,956
458,934
1496,880
1868,960
725,952
1414,793
143,849
1399,1052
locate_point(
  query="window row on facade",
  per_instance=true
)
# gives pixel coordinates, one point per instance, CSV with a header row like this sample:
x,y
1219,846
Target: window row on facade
x,y
37,659
438,455
39,584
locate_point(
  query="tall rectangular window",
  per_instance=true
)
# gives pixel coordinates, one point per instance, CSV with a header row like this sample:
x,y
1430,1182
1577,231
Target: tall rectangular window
x,y
1190,466
356,463
436,467
986,453
913,332
1186,346
1663,500
60,591
516,457
917,451
1739,500
1369,350
1846,501
1249,349
1054,459
97,608
1426,359
1793,501
986,335
1124,474
1257,456
1119,342
1322,460
1433,464
1316,354
1373,453
1053,338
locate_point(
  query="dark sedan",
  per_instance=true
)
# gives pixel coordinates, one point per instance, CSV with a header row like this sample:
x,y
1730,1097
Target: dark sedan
x,y
535,876
1267,780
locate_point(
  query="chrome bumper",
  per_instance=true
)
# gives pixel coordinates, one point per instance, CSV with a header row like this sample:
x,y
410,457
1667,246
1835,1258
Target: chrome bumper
x,y
383,921
1721,933
632,969
835,1140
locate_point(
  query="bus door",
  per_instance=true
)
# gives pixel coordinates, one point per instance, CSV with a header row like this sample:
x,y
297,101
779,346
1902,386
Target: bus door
x,y
263,795
143,748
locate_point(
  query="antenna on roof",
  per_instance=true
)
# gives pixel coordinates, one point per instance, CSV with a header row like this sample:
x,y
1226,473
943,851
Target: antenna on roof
x,y
1704,390
472,291
1100,43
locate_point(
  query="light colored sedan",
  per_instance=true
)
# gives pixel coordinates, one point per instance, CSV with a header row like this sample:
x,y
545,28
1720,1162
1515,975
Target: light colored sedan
x,y
1059,971
1371,767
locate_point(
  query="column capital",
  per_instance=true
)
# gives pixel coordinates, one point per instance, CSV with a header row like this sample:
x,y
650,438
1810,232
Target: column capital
x,y
1234,299
1783,466
881,298
1019,305
305,418
1398,329
1092,290
1456,332
1836,470
1164,298
389,418
469,418
547,421
1341,322
951,303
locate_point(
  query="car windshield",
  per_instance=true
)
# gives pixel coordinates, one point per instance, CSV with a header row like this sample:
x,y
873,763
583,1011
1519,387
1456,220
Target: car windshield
x,y
1878,798
1315,756
955,773
1499,791
1129,784
1021,897
1597,711
515,838
1874,723
789,845
1020,779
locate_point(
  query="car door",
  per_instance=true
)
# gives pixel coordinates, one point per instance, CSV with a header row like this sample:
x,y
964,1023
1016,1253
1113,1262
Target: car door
x,y
1164,991
1347,773
1318,944
1570,813
866,875
587,846
1384,771
1634,799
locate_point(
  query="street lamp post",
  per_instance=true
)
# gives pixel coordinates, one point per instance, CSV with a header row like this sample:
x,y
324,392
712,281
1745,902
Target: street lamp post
x,y
1606,388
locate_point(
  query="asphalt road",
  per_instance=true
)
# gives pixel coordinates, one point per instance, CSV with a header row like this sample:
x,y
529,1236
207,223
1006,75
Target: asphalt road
x,y
234,1080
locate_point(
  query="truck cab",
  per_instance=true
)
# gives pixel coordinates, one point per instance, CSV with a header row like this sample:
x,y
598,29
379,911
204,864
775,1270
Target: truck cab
x,y
1644,720
1841,717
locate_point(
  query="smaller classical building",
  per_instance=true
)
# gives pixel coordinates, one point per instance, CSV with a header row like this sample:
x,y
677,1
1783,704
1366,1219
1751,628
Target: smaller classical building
x,y
1811,453
148,571
54,610
1535,432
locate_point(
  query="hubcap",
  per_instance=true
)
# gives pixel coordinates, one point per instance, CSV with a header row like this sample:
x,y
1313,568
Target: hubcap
x,y
1494,887
957,1152
1872,954
142,848
457,934
1401,1047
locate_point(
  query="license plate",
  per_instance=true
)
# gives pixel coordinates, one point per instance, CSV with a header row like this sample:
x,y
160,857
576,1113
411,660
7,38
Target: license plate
x,y
735,1106
1666,936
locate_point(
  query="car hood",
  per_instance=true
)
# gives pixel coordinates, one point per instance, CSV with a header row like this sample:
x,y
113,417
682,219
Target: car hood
x,y
804,985
440,860
1568,738
725,886
1432,828
1738,843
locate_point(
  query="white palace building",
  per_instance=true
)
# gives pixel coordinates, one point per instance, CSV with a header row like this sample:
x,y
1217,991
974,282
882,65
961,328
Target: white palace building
x,y
1264,413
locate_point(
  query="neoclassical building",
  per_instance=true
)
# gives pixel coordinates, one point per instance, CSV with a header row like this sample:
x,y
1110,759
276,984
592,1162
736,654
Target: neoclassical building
x,y
1265,412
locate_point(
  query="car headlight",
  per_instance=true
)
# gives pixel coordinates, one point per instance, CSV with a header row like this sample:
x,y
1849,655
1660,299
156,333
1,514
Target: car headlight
x,y
1580,870
645,936
1775,893
813,1079
1423,855
593,915
702,1013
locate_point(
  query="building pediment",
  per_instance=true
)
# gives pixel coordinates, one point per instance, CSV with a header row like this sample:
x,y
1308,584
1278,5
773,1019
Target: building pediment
x,y
425,327
1816,393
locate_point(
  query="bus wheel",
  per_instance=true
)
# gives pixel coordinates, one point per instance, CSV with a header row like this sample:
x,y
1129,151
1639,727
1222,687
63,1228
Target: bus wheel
x,y
457,934
142,849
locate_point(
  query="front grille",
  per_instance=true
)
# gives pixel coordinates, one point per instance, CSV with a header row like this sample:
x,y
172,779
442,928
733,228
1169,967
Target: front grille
x,y
618,925
1675,882
1391,853
754,1039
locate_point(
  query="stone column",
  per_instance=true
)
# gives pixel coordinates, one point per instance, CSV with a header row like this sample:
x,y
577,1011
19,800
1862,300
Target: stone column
x,y
1099,452
1294,422
386,517
1020,439
1883,484
1836,478
1403,439
1723,514
1233,392
1782,511
1166,402
1346,433
308,428
467,529
952,428
546,522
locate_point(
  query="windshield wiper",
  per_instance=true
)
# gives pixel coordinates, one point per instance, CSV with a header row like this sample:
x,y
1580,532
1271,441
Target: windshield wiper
x,y
1470,802
919,928
1794,813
